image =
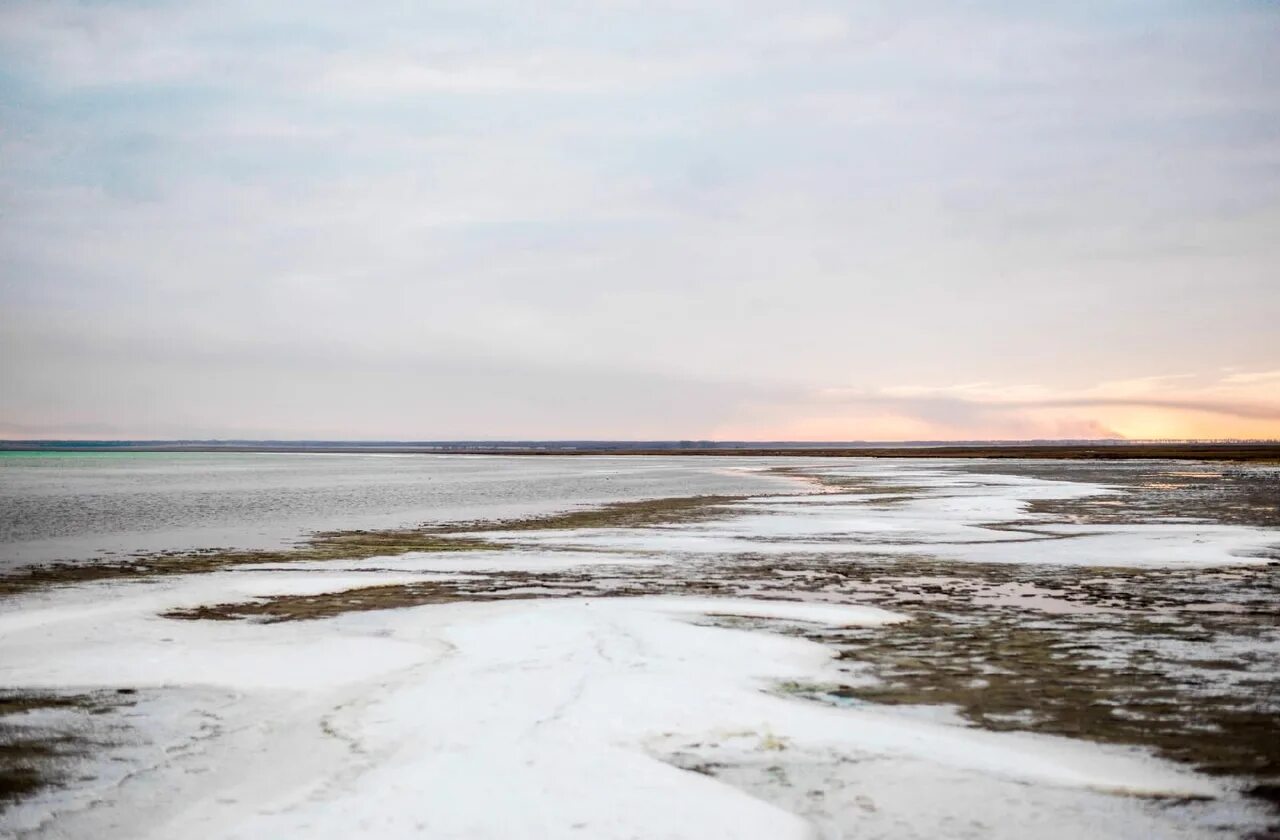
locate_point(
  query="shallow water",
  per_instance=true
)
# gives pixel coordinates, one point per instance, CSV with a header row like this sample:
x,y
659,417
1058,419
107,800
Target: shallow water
x,y
76,506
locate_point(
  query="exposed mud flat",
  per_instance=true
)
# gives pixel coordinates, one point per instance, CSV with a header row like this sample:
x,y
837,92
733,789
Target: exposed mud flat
x,y
1115,669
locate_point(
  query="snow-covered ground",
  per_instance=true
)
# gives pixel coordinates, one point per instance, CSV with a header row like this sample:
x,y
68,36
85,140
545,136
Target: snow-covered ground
x,y
582,717
950,515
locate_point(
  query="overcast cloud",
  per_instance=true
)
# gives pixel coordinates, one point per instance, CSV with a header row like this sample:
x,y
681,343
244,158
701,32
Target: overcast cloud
x,y
886,220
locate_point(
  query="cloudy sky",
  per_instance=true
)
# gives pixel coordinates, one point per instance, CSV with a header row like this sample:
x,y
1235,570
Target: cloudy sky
x,y
747,219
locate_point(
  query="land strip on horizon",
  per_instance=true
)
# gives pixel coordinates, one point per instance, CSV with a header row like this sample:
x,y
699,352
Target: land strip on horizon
x,y
1253,452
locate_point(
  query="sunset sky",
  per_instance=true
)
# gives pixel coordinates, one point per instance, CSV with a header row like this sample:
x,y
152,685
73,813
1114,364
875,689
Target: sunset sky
x,y
739,220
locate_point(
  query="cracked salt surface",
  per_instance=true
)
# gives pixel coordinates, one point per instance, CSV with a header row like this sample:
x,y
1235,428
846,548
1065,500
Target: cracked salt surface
x,y
579,717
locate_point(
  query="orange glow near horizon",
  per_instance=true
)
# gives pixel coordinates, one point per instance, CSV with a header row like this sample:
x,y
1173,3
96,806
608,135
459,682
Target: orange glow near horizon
x,y
1120,422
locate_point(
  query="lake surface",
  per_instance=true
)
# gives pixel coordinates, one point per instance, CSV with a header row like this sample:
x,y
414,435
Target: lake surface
x,y
77,506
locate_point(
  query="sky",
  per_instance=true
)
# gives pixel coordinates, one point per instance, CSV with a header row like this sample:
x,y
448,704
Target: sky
x,y
640,220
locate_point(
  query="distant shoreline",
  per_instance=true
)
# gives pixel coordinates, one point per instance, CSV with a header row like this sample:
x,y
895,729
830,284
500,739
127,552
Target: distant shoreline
x,y
1260,452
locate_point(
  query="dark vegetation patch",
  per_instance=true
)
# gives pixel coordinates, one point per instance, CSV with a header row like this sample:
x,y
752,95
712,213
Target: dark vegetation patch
x,y
648,512
279,608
